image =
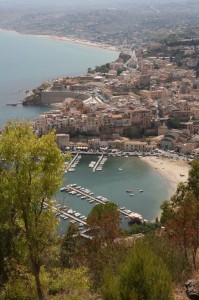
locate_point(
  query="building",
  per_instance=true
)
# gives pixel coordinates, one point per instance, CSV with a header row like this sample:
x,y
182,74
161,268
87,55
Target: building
x,y
131,146
62,140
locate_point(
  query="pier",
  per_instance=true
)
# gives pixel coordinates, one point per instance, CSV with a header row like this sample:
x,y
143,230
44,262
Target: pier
x,y
98,162
101,200
72,162
66,213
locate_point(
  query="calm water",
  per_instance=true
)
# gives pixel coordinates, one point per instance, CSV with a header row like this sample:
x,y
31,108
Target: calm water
x,y
113,183
26,61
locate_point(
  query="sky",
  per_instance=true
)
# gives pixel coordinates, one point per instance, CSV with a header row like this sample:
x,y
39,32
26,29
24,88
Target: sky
x,y
79,3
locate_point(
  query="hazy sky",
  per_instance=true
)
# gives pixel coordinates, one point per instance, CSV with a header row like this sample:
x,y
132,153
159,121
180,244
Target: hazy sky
x,y
80,3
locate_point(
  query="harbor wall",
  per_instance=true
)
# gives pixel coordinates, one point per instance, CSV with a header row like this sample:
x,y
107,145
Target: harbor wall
x,y
48,97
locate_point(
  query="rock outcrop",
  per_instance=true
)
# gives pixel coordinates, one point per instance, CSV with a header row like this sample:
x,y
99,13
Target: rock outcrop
x,y
192,289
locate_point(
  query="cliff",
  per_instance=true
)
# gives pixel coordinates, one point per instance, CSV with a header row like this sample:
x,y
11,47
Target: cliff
x,y
34,98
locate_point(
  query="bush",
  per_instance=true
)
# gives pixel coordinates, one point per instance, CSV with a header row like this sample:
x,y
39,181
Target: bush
x,y
142,276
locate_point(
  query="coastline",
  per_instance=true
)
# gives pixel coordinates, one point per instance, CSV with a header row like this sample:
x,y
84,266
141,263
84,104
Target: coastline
x,y
170,169
67,39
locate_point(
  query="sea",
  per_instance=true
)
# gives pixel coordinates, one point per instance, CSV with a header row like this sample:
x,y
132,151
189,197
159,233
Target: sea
x,y
118,176
25,62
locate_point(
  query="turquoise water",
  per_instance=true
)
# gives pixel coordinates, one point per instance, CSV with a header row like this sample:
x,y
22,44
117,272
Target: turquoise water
x,y
26,61
113,183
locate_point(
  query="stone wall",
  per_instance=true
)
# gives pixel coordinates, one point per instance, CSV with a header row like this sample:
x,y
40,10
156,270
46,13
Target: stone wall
x,y
59,96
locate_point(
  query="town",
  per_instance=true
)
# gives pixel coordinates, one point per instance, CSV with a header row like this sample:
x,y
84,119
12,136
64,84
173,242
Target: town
x,y
147,99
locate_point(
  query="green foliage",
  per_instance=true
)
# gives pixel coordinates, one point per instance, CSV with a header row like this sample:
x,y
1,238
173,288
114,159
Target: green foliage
x,y
67,284
145,228
167,211
31,172
193,182
180,217
20,284
69,247
104,222
142,276
98,258
171,255
102,69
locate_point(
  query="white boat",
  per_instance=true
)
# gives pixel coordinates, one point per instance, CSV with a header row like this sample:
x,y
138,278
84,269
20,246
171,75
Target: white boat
x,y
92,164
77,214
140,191
62,189
120,169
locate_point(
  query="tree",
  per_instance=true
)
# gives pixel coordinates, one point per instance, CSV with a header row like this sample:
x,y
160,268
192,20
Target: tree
x,y
70,246
193,182
142,276
180,218
31,171
170,254
70,284
104,222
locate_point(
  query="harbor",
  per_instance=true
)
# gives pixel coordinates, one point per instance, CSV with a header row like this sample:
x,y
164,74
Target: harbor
x,y
88,195
113,184
70,167
100,163
65,213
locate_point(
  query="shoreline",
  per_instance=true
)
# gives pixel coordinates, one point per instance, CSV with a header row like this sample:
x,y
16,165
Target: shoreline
x,y
67,39
170,170
173,170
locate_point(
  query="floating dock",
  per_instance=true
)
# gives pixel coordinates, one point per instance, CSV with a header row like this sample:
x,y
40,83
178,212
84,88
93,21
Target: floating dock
x,y
72,164
101,200
67,213
98,162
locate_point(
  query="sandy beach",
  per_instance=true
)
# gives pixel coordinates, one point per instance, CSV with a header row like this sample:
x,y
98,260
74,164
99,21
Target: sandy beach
x,y
74,40
174,170
68,39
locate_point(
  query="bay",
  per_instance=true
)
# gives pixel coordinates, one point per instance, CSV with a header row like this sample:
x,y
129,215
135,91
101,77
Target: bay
x,y
119,174
26,61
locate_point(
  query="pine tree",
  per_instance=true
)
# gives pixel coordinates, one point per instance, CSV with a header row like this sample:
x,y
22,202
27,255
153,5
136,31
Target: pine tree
x,y
142,276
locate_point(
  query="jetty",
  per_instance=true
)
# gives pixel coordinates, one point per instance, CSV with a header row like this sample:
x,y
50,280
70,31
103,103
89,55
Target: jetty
x,y
86,194
72,164
98,162
67,213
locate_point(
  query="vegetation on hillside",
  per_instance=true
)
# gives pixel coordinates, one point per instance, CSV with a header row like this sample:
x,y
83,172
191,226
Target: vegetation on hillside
x,y
37,264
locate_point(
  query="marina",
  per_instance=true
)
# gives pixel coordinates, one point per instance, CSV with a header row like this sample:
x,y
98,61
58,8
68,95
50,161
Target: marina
x,y
66,213
86,194
73,163
96,166
113,184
